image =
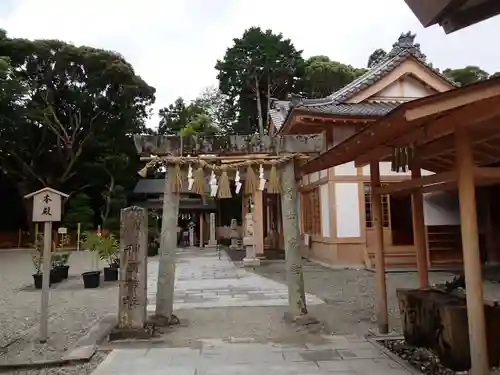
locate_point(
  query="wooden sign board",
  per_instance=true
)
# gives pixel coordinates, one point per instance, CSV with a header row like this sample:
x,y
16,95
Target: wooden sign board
x,y
47,205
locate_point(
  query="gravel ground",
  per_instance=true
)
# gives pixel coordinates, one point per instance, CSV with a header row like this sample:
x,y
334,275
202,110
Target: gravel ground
x,y
72,311
350,294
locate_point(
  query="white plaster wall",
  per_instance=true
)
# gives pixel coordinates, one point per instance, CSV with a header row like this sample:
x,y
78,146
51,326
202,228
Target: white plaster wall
x,y
347,209
347,169
395,89
405,87
441,208
413,88
325,210
323,173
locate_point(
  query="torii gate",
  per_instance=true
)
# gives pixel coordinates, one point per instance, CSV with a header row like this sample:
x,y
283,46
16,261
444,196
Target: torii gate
x,y
206,154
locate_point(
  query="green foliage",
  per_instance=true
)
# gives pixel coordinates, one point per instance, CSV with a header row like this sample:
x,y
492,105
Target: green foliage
x,y
60,258
376,58
106,246
64,111
79,210
196,118
257,63
323,76
467,75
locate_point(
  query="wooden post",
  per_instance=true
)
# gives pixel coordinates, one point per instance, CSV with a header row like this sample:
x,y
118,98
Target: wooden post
x,y
47,253
471,255
202,242
258,219
381,288
419,237
47,207
168,247
295,278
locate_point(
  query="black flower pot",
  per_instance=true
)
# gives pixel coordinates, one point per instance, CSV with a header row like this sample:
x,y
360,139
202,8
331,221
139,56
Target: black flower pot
x,y
91,279
55,276
110,274
38,279
64,272
115,264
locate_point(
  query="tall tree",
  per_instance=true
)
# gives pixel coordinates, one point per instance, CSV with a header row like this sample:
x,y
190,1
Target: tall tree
x,y
322,76
175,116
197,117
77,105
467,75
258,66
376,58
218,107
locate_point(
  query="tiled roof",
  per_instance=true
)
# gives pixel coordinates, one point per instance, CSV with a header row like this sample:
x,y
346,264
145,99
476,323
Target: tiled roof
x,y
335,103
402,49
352,109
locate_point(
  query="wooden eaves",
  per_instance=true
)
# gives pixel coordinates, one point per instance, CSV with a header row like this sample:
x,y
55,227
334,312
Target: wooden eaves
x,y
429,125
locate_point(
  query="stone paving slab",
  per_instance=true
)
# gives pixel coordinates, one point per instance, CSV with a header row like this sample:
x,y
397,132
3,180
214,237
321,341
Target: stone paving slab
x,y
219,357
202,280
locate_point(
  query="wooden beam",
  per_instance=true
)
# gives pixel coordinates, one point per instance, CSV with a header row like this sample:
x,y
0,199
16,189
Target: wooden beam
x,y
229,145
453,102
436,129
418,183
486,173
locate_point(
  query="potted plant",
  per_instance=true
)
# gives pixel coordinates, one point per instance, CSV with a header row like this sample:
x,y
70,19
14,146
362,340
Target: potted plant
x,y
60,264
91,242
108,251
37,263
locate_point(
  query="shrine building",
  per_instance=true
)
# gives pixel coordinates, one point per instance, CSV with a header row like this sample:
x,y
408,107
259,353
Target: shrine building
x,y
335,203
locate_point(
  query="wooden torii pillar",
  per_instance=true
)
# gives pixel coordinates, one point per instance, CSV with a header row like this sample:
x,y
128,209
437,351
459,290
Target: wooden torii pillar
x,y
164,146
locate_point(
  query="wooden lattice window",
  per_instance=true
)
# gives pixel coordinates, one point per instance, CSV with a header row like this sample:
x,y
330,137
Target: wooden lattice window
x,y
311,212
368,208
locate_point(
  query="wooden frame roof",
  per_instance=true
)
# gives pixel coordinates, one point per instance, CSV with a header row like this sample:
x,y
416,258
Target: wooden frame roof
x,y
428,124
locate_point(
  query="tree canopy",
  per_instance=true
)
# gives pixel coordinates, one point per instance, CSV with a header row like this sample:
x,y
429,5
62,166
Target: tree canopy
x,y
65,111
322,76
258,66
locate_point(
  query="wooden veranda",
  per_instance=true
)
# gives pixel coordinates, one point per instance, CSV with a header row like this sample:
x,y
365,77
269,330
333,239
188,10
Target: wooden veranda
x,y
456,135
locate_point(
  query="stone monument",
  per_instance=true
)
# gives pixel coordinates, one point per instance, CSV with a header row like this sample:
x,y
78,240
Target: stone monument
x,y
133,269
235,236
212,242
250,259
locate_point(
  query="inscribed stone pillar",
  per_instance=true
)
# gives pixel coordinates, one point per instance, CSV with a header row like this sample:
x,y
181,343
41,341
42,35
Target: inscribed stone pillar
x,y
251,258
258,221
191,235
295,277
133,268
168,246
212,240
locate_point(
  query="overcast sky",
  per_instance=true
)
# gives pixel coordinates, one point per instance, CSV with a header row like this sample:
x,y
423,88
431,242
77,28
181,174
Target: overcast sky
x,y
174,45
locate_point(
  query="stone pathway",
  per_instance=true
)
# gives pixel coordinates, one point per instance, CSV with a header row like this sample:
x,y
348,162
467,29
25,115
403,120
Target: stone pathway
x,y
341,356
202,280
